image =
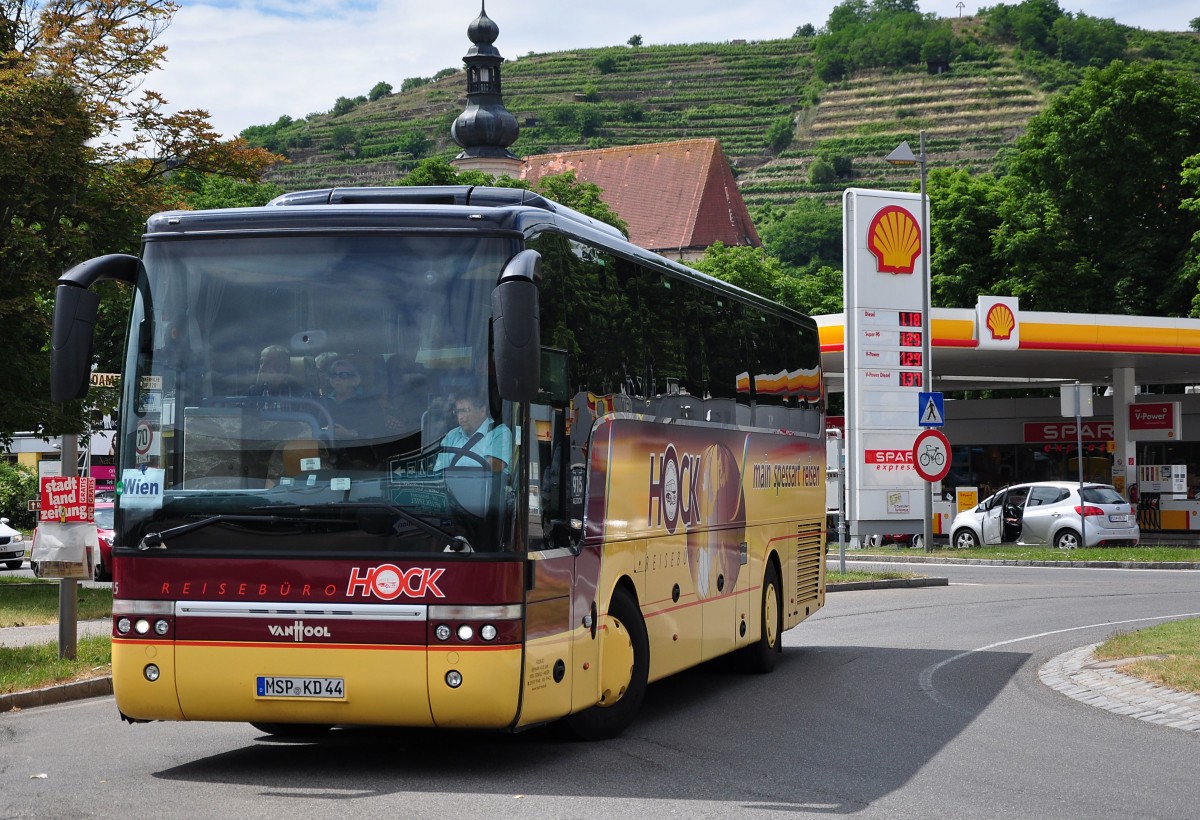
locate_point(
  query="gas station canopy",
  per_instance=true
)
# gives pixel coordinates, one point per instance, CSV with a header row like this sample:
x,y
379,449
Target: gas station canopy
x,y
1041,349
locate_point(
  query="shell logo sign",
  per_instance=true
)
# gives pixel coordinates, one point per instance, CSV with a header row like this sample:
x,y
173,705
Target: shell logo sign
x,y
1000,321
894,239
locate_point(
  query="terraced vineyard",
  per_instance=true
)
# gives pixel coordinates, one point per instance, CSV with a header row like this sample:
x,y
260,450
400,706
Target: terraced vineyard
x,y
731,91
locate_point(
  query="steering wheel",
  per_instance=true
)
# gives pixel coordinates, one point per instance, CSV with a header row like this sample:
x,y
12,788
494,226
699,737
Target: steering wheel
x,y
474,456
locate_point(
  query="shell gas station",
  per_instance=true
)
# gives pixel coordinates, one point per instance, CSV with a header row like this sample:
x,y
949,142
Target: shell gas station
x,y
1138,418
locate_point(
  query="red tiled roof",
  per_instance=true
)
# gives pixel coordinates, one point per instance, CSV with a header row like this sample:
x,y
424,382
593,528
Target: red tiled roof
x,y
673,195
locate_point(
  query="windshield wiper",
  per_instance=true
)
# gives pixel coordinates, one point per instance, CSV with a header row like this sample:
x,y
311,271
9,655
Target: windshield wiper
x,y
454,543
156,540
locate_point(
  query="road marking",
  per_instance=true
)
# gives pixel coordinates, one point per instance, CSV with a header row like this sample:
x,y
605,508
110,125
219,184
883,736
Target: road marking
x,y
925,679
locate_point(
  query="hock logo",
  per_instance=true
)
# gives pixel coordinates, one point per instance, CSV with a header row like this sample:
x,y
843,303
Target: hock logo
x,y
390,582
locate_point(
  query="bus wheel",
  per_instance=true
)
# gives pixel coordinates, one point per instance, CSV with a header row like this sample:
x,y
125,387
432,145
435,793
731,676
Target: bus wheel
x,y
292,729
761,655
624,669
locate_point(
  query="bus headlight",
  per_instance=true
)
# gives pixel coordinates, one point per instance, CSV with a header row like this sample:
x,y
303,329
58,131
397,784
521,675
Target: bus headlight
x,y
454,679
487,632
124,625
465,632
442,632
161,626
142,626
151,672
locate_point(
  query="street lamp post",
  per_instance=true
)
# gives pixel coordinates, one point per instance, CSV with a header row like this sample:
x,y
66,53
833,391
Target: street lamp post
x,y
903,155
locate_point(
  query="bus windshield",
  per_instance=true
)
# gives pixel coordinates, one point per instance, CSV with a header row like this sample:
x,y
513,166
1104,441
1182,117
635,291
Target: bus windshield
x,y
316,394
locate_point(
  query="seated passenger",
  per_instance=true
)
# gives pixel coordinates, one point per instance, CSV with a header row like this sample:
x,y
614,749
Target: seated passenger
x,y
275,379
353,413
477,441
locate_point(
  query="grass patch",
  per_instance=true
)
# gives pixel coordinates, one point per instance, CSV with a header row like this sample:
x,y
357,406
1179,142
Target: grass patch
x,y
1177,641
1013,553
33,602
38,666
835,577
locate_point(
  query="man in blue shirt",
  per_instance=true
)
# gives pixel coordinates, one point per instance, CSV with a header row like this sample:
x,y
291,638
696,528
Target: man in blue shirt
x,y
477,441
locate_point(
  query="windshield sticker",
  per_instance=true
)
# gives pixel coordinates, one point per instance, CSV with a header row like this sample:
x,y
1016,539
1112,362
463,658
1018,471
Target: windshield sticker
x,y
141,489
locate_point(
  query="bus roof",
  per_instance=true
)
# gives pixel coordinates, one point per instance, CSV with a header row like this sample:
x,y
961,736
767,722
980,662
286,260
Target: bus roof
x,y
498,209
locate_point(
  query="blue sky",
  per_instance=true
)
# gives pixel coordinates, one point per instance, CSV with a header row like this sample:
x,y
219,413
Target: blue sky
x,y
247,63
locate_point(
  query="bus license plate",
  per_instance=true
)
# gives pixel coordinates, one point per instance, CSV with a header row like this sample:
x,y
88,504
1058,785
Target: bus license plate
x,y
272,687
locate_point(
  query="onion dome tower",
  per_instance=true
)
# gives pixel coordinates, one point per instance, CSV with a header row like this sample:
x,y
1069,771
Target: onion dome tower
x,y
486,128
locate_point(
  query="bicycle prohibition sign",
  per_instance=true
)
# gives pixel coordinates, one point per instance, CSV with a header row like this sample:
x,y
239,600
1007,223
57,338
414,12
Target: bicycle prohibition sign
x,y
931,454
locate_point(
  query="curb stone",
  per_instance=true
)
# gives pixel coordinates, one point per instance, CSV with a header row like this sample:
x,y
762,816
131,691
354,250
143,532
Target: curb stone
x,y
928,559
60,693
1078,675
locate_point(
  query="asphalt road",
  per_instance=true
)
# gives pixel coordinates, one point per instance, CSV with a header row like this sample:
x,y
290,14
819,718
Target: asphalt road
x,y
909,703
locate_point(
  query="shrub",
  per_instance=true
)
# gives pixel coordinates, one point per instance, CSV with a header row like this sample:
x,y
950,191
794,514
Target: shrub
x,y
821,172
779,134
605,63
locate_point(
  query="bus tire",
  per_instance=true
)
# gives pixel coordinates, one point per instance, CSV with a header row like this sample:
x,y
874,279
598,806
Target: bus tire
x,y
760,656
620,701
292,729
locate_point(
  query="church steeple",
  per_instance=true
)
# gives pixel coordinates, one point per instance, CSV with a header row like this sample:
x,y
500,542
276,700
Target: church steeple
x,y
485,128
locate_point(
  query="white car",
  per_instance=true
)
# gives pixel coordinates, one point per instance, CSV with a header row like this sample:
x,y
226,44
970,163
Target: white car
x,y
1057,513
12,546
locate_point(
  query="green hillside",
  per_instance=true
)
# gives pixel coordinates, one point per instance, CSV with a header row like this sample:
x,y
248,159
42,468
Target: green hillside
x,y
742,93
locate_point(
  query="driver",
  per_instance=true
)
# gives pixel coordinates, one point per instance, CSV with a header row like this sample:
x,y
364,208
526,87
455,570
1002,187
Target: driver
x,y
477,440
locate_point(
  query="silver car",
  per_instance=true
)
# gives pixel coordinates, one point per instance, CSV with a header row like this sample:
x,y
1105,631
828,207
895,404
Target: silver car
x,y
12,546
1058,513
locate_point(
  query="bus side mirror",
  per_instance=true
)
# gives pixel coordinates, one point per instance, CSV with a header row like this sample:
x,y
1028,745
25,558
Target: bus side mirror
x,y
75,318
516,328
71,342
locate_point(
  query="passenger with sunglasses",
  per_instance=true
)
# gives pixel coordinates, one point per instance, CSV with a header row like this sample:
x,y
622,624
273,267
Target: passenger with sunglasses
x,y
350,408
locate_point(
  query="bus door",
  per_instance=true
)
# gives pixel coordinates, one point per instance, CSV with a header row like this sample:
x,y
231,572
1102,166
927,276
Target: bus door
x,y
561,651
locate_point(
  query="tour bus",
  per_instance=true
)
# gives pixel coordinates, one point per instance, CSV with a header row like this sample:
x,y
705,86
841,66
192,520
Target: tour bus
x,y
321,546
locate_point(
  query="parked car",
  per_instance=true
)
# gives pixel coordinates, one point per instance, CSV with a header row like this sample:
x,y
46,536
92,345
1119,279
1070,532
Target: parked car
x,y
102,560
1059,513
12,546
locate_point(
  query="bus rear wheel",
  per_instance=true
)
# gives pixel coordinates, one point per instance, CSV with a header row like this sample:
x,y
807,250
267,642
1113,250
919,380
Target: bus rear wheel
x,y
624,670
760,656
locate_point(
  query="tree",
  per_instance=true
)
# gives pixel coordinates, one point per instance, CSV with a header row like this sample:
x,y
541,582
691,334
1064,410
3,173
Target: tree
x,y
71,187
213,191
585,197
380,89
807,235
1191,203
963,217
635,40
1096,194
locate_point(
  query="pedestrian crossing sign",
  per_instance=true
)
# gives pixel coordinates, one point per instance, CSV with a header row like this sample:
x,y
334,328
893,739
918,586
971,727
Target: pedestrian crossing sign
x,y
931,410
